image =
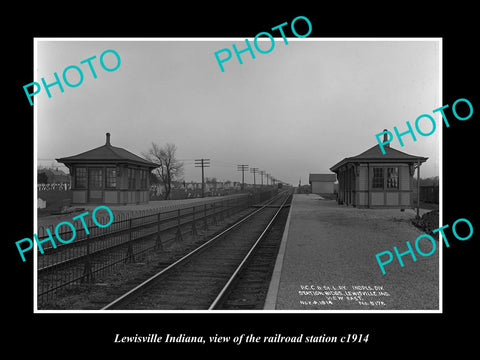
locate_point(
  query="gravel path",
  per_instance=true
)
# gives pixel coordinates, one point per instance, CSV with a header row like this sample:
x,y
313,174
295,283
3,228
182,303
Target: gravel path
x,y
332,248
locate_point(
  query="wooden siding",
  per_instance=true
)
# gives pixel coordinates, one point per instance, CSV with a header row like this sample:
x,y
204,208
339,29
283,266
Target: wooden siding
x,y
363,178
404,177
110,197
377,198
392,198
406,199
322,187
79,196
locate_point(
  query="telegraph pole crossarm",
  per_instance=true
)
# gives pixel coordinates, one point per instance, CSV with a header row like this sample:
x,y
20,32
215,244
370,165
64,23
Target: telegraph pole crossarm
x,y
242,168
254,171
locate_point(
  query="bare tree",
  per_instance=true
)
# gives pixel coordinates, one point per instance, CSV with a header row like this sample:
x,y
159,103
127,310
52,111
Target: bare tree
x,y
211,181
170,168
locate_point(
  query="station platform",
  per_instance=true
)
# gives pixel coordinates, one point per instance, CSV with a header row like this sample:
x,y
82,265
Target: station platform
x,y
327,261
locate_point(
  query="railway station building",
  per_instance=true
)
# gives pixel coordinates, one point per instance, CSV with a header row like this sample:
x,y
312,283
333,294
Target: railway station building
x,y
109,175
374,180
322,183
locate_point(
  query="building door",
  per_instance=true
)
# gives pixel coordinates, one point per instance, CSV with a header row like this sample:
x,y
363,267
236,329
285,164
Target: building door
x,y
95,185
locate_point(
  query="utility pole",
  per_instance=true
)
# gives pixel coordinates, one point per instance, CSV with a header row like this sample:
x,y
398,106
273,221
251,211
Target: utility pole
x,y
242,168
262,173
203,163
268,175
254,171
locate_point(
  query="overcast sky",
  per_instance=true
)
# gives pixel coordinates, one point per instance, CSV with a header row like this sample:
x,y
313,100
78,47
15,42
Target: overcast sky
x,y
296,110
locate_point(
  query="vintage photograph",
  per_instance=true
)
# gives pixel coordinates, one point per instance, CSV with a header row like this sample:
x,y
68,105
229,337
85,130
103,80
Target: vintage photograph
x,y
299,179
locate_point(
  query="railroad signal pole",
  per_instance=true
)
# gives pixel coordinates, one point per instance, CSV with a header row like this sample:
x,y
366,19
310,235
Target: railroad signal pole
x,y
254,171
242,168
203,163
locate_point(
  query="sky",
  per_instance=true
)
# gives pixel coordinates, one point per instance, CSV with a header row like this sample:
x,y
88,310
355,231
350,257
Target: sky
x,y
299,109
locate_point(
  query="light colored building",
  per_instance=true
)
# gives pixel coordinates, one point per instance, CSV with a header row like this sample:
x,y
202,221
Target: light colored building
x,y
322,183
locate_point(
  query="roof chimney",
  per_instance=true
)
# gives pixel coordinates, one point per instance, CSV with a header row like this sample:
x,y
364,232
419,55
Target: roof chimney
x,y
385,138
108,139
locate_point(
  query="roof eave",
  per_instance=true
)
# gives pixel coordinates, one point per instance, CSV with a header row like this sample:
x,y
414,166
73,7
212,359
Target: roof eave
x,y
106,161
338,165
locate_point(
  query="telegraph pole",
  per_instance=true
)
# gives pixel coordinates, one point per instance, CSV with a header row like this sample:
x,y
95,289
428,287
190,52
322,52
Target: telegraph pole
x,y
242,168
254,171
262,173
203,163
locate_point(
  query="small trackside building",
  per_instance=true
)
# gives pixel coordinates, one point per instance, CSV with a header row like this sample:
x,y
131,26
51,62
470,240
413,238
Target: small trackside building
x,y
322,183
109,175
374,180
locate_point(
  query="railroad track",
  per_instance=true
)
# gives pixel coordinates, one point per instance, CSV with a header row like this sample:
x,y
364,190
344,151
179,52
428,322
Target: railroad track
x,y
206,278
127,240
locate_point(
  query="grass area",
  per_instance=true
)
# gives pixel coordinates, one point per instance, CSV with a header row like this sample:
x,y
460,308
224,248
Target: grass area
x,y
55,201
428,222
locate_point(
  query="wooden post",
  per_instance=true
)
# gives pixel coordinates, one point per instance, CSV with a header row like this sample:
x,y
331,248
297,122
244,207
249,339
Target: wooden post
x,y
194,226
178,236
418,190
214,214
222,207
205,217
159,244
87,270
129,257
368,185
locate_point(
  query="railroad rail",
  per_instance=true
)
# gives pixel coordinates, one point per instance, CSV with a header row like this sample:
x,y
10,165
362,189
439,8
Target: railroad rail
x,y
127,240
247,288
204,278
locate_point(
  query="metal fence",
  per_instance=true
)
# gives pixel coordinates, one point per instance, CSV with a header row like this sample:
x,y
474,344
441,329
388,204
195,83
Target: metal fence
x,y
53,187
127,239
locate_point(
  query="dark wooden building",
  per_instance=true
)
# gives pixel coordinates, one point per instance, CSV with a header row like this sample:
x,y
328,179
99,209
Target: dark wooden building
x,y
109,175
374,180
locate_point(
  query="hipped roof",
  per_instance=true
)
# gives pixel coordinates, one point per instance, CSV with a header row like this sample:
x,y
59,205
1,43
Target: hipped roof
x,y
107,154
375,155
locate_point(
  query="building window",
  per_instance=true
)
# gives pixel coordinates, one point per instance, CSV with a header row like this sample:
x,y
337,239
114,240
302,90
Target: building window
x,y
143,179
137,178
81,178
111,178
131,179
96,178
377,182
392,178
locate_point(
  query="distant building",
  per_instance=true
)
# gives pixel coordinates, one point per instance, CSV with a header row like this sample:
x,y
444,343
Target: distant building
x,y
374,180
109,175
322,183
41,204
